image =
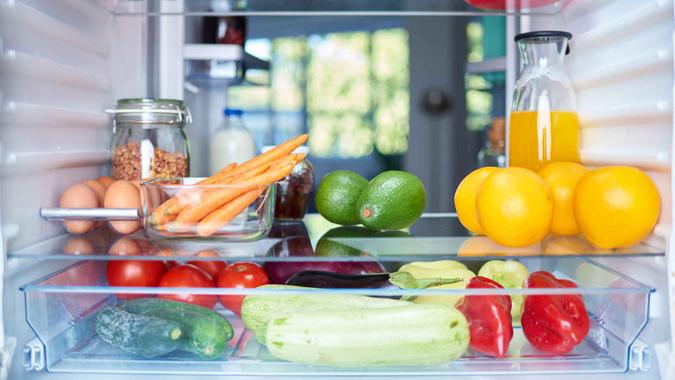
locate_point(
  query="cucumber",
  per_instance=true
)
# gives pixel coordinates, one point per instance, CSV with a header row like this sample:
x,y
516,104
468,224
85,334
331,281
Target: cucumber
x,y
205,332
258,310
137,334
402,335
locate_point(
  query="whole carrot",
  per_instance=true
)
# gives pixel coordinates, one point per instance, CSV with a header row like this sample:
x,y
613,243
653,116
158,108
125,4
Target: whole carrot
x,y
224,214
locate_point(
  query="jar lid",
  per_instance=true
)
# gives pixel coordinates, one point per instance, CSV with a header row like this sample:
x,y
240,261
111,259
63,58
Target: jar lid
x,y
151,111
543,34
232,112
299,150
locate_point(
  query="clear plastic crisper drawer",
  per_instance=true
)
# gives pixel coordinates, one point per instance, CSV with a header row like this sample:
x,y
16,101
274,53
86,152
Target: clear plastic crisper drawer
x,y
61,309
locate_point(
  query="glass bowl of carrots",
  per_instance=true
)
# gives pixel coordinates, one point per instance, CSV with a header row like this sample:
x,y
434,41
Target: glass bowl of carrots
x,y
184,208
235,204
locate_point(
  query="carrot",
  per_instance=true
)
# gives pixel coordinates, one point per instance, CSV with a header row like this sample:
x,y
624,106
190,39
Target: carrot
x,y
218,197
278,151
224,214
223,172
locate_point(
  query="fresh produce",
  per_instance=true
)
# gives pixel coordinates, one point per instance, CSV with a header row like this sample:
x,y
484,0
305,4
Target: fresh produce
x,y
465,198
396,280
79,196
562,179
240,276
137,334
280,272
212,267
489,318
205,332
554,323
123,194
188,276
514,207
616,206
208,210
391,201
410,334
258,309
510,274
144,273
337,195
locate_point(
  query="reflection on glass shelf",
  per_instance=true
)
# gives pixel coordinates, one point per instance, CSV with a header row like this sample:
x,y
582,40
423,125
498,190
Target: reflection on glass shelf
x,y
347,7
433,237
61,309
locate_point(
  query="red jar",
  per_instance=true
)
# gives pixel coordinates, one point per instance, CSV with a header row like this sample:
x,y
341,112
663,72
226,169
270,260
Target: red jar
x,y
293,192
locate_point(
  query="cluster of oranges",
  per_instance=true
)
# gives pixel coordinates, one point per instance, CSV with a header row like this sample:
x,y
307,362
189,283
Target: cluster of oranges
x,y
613,207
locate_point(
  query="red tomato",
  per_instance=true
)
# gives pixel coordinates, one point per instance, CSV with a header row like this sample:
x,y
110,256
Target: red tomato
x,y
188,276
210,267
240,276
134,273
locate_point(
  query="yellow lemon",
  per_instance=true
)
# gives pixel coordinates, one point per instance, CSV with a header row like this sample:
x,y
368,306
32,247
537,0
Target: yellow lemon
x,y
465,198
562,178
616,206
514,207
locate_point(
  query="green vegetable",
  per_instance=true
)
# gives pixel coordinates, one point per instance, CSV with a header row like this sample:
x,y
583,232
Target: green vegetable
x,y
137,334
393,200
206,332
337,194
509,274
258,310
403,335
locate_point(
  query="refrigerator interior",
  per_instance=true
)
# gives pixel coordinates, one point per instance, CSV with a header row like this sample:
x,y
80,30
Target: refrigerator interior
x,y
63,62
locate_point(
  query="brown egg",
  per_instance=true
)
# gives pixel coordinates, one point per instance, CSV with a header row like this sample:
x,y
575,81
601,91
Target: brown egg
x,y
79,246
98,189
125,247
79,196
105,181
123,194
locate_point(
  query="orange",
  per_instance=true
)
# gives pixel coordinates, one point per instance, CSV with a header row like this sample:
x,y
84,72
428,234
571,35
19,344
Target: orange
x,y
465,198
616,206
562,178
514,207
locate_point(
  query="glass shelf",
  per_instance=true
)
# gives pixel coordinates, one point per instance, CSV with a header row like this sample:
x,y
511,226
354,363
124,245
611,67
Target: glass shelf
x,y
61,309
433,237
339,8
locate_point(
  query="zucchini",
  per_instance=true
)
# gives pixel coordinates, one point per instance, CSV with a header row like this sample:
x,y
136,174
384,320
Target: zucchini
x,y
205,332
402,335
137,334
258,310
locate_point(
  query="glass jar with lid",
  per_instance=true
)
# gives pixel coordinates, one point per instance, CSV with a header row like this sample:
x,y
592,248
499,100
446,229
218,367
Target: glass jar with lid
x,y
149,140
293,192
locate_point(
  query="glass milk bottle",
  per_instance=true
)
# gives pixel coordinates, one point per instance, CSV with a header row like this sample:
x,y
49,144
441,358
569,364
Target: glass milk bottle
x,y
232,142
544,125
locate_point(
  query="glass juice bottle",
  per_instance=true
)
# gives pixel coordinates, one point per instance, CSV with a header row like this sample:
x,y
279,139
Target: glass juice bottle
x,y
544,125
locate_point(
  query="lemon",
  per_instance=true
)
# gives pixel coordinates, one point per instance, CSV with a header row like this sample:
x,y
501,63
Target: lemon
x,y
616,206
465,198
562,178
514,207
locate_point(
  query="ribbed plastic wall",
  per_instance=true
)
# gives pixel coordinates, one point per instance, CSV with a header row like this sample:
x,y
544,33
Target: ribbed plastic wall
x,y
61,64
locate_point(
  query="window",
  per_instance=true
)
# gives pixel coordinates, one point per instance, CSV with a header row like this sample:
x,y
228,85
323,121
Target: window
x,y
348,89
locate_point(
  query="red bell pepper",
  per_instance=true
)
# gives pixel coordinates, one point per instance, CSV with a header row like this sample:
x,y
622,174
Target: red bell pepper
x,y
489,318
554,323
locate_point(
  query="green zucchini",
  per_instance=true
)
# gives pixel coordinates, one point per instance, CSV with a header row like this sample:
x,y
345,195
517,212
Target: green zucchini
x,y
205,332
404,335
258,310
142,335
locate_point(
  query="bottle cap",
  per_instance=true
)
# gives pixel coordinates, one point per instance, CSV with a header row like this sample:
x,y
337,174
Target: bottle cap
x,y
233,112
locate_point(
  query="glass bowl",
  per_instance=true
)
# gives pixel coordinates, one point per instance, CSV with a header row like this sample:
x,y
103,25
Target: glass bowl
x,y
180,208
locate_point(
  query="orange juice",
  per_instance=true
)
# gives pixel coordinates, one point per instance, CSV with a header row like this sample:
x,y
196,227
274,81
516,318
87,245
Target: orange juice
x,y
536,138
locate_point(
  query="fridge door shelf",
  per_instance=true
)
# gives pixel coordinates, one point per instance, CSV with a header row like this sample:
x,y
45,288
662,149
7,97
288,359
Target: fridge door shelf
x,y
61,309
433,237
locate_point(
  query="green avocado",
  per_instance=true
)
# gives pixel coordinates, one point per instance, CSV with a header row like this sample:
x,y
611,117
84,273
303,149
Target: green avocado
x,y
328,247
337,194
